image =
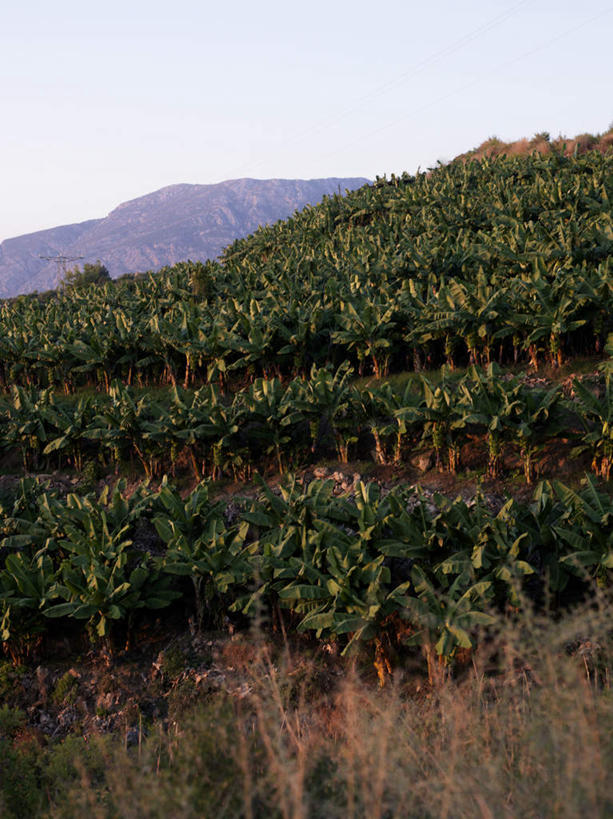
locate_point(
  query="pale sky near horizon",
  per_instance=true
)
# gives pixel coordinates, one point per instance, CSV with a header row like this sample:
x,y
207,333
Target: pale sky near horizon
x,y
101,104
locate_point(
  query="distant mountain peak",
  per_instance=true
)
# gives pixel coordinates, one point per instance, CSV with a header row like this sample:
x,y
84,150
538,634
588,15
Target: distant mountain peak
x,y
165,226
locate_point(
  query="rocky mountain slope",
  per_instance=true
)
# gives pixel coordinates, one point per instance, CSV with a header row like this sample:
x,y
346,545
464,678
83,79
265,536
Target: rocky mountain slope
x,y
164,227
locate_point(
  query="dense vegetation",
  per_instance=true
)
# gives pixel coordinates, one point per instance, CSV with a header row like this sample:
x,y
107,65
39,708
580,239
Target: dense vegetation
x,y
506,259
272,424
427,570
302,739
467,282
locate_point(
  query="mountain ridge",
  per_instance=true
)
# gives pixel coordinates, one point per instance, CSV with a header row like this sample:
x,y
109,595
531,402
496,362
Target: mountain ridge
x,y
174,223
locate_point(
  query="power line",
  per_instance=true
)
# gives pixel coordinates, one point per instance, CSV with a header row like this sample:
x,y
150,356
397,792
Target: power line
x,y
61,261
472,84
447,51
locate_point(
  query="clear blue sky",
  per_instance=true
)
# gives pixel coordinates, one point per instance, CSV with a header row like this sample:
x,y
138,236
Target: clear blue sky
x,y
105,102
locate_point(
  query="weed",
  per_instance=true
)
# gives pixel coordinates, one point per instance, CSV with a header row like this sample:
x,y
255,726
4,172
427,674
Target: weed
x,y
10,675
65,691
11,720
506,737
172,662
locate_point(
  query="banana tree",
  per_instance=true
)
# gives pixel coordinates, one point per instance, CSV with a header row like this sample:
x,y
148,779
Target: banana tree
x,y
118,426
27,585
587,528
180,428
392,416
442,420
99,580
252,338
69,425
365,330
552,316
95,355
201,547
536,422
545,545
491,403
446,619
330,404
300,327
272,419
287,548
26,423
596,415
377,407
484,545
347,589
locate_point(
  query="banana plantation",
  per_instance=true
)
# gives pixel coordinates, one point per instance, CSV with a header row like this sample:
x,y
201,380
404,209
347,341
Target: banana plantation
x,y
434,570
275,426
464,279
507,260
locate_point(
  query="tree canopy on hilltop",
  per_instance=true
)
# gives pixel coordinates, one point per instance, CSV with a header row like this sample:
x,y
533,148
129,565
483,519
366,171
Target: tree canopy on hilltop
x,y
91,274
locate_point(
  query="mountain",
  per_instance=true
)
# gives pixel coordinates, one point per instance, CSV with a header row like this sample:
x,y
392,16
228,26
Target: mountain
x,y
172,224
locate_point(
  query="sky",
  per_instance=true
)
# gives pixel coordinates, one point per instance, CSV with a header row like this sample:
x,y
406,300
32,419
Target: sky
x,y
102,103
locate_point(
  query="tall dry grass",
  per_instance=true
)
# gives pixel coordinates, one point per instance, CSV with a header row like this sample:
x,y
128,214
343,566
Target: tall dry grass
x,y
524,730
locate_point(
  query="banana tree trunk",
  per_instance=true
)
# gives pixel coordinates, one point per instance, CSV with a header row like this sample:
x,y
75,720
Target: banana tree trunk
x,y
533,353
398,448
494,455
527,462
342,450
379,450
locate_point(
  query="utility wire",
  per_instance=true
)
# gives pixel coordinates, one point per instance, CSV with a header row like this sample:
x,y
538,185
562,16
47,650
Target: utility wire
x,y
444,97
450,49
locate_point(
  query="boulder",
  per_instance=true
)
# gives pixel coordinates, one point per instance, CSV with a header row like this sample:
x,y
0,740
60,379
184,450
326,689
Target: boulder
x,y
422,461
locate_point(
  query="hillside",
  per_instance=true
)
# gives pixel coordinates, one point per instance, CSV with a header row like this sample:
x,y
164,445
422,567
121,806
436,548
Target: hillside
x,y
506,258
324,522
542,144
175,223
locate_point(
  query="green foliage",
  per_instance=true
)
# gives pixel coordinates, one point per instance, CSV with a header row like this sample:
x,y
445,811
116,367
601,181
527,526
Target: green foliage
x,y
20,796
342,567
507,258
91,274
201,279
11,720
201,547
596,413
97,581
65,690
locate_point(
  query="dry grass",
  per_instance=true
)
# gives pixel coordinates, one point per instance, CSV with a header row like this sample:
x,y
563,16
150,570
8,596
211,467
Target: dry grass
x,y
526,730
519,148
606,142
540,144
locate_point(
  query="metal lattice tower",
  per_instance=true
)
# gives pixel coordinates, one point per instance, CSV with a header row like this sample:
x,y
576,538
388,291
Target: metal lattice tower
x,y
61,261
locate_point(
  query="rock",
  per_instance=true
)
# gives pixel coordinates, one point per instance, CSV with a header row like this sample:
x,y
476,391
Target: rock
x,y
233,512
42,675
46,723
423,461
105,702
